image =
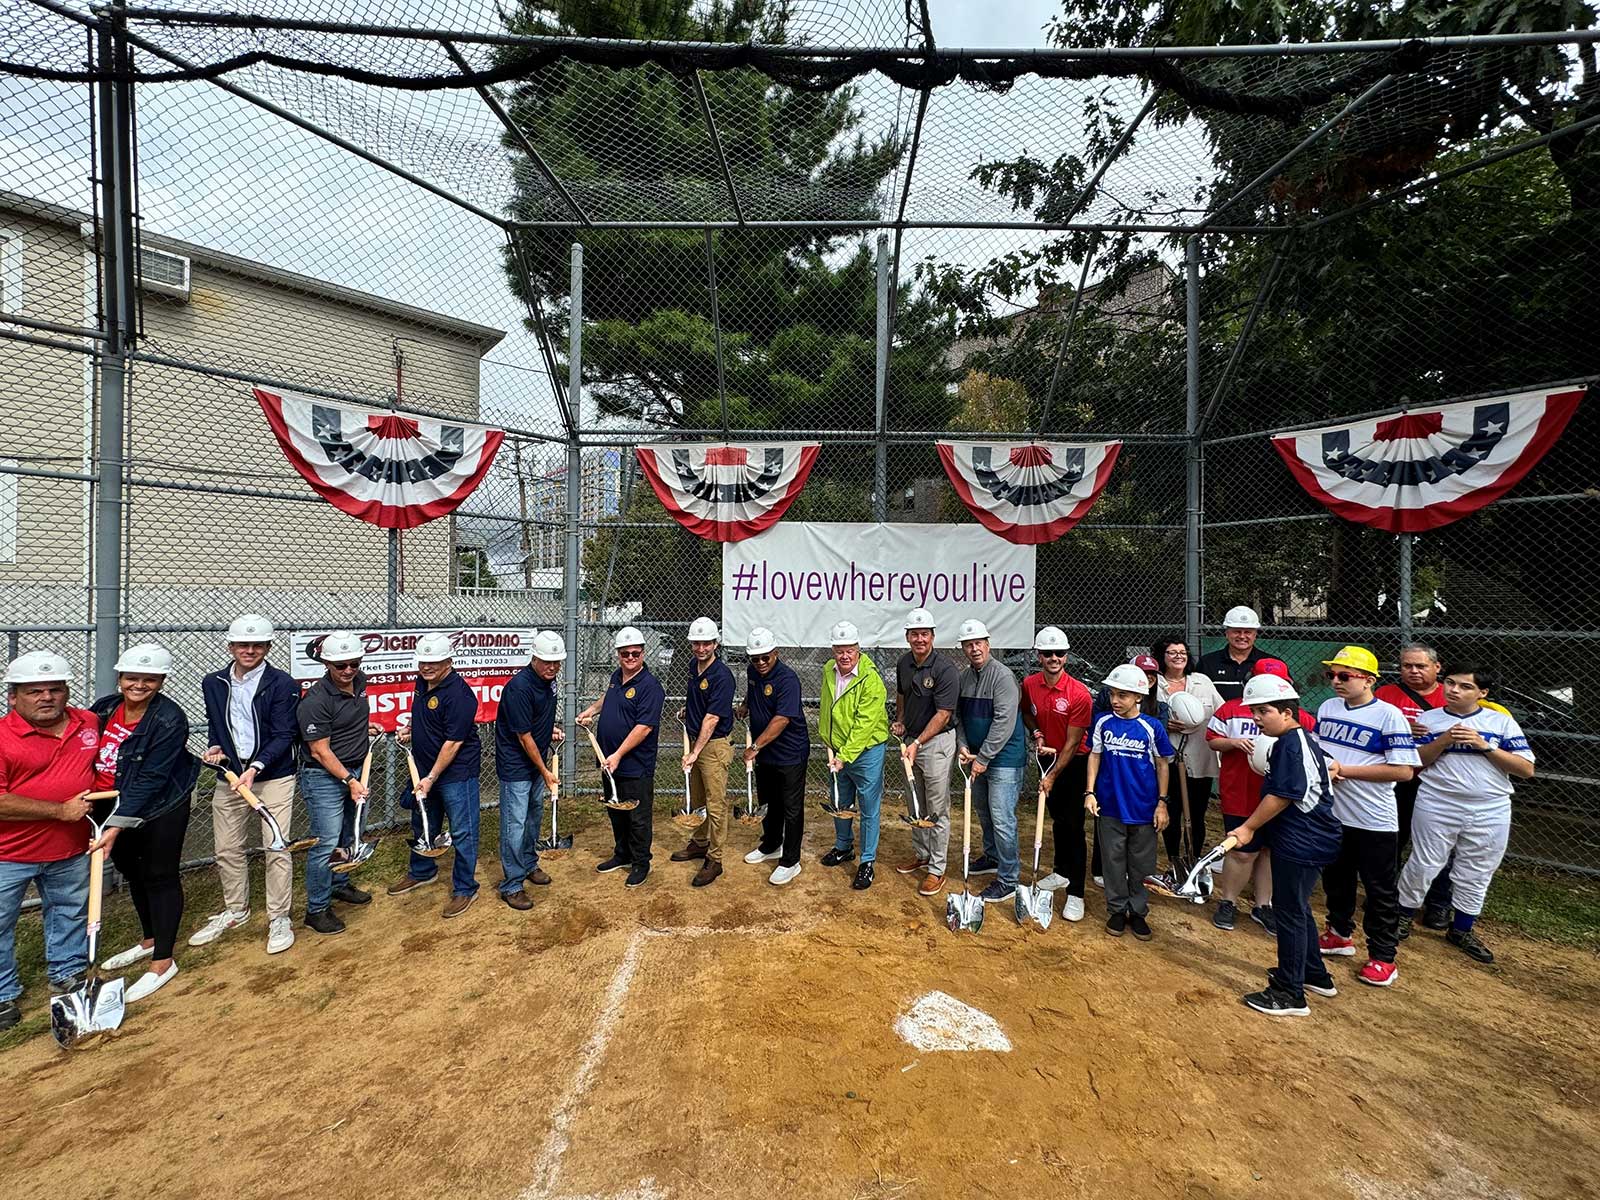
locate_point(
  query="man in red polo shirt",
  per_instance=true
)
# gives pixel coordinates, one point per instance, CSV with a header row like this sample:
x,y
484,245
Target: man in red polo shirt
x,y
1058,710
1417,691
47,753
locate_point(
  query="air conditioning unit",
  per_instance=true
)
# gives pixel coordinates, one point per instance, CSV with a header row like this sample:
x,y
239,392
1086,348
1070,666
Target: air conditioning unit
x,y
164,273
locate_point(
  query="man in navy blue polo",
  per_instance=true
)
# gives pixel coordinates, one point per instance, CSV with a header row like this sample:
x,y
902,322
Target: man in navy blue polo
x,y
628,727
524,730
444,741
780,750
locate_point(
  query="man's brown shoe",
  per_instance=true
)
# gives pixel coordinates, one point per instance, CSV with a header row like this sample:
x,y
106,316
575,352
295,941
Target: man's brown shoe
x,y
707,873
912,866
689,853
408,883
517,900
931,886
460,904
537,875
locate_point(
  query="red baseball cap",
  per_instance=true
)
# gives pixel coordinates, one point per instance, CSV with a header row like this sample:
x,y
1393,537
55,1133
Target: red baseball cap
x,y
1272,666
1147,664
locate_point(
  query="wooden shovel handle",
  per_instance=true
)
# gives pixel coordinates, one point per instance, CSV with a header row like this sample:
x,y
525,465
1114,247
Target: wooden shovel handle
x,y
411,766
249,795
93,797
1038,822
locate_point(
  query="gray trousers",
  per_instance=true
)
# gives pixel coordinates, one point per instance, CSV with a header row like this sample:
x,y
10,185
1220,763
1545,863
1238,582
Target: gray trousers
x,y
932,773
1129,854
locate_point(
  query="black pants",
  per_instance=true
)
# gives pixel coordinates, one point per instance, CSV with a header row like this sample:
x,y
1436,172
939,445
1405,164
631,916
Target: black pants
x,y
783,790
631,830
148,858
1199,801
1372,857
1439,892
1065,803
1299,959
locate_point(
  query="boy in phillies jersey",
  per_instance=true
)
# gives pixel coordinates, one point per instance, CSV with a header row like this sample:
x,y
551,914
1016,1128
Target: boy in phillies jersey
x,y
1370,749
1470,753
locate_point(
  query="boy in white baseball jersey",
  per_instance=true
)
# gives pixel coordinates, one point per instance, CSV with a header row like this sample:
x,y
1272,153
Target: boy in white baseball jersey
x,y
1370,748
1470,753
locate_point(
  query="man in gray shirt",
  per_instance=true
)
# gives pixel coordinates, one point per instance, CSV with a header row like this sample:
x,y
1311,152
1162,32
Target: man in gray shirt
x,y
926,688
991,743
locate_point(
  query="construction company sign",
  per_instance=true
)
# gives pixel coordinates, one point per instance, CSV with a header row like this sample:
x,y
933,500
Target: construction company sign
x,y
485,658
800,577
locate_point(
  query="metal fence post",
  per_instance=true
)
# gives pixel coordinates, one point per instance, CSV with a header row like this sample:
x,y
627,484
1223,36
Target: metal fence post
x,y
571,578
1193,450
394,579
1405,589
880,462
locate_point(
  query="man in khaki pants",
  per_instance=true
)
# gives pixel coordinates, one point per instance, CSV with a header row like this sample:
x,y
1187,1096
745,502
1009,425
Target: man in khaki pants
x,y
708,718
250,711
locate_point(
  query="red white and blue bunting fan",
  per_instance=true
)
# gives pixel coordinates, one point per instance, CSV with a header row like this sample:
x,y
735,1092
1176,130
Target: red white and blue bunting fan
x,y
725,492
385,468
1425,468
1029,492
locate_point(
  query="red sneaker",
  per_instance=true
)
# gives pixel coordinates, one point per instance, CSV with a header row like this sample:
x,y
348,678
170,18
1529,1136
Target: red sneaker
x,y
1331,943
1379,974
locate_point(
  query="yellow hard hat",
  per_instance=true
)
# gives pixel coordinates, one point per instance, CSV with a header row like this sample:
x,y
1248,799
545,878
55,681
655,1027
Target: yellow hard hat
x,y
1499,708
1357,658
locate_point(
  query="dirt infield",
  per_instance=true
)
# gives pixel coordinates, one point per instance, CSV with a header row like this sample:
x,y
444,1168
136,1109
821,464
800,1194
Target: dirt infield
x,y
738,1041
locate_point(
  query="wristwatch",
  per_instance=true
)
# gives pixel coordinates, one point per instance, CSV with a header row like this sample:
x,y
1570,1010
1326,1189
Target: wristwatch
x,y
349,778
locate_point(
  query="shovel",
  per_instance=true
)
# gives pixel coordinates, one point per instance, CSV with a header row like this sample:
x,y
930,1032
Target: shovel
x,y
917,819
83,1016
1033,901
616,800
966,910
1191,889
750,814
1170,882
358,851
278,841
688,819
555,846
834,809
428,844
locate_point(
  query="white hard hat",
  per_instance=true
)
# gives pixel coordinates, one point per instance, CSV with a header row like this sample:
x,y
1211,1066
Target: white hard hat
x,y
703,629
548,646
1260,746
1187,711
920,618
38,666
844,633
433,647
627,636
1241,616
761,641
1050,638
341,646
250,627
1128,678
1268,689
146,658
971,630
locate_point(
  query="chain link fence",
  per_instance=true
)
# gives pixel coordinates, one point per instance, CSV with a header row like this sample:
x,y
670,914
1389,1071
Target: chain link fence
x,y
802,221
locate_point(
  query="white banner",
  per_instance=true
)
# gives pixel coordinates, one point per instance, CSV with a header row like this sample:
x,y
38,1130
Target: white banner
x,y
799,577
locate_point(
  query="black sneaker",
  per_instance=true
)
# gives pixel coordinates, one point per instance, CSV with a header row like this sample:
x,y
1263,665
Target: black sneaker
x,y
1276,1003
324,922
984,865
1318,987
1116,923
1436,918
639,873
863,879
349,893
1404,929
1227,912
60,987
613,864
1263,916
1140,925
997,892
1468,942
836,856
10,1014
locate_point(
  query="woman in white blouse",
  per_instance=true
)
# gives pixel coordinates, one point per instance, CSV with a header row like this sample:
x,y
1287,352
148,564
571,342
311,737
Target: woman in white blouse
x,y
1199,760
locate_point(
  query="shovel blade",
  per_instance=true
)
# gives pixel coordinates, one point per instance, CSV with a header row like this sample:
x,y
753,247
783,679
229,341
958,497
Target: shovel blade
x,y
1043,909
546,845
81,1017
689,820
963,912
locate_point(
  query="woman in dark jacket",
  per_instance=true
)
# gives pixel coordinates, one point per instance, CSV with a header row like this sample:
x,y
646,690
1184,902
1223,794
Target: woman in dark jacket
x,y
143,755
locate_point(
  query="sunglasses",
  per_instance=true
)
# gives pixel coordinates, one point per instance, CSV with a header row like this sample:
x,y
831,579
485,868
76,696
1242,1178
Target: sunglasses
x,y
1343,676
1052,654
355,666
635,653
762,658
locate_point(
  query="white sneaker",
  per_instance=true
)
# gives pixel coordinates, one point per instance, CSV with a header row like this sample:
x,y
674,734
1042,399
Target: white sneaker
x,y
784,875
217,926
133,954
1072,910
280,935
1051,882
149,982
1215,868
755,856
1100,882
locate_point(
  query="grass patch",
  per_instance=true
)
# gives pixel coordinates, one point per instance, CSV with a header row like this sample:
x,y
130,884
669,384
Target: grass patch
x,y
1551,908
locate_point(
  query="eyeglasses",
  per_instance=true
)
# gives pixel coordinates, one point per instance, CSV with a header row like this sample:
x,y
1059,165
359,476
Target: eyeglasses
x,y
634,653
355,666
762,658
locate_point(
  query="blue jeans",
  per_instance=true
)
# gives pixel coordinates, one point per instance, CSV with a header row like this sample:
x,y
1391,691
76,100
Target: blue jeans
x,y
994,797
460,804
64,887
861,784
521,816
333,816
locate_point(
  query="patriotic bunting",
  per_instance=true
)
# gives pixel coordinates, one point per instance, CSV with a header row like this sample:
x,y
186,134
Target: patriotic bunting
x,y
1422,469
1028,492
723,492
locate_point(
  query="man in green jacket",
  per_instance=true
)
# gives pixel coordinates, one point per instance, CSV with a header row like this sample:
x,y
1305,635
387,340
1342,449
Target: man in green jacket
x,y
855,726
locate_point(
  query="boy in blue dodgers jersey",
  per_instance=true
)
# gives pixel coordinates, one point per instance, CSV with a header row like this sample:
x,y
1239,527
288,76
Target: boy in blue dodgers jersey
x,y
708,719
628,730
1129,757
992,742
780,751
444,741
1371,749
524,732
1296,820
1470,753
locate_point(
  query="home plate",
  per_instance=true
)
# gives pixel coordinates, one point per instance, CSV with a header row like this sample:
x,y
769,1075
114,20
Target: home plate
x,y
941,1022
